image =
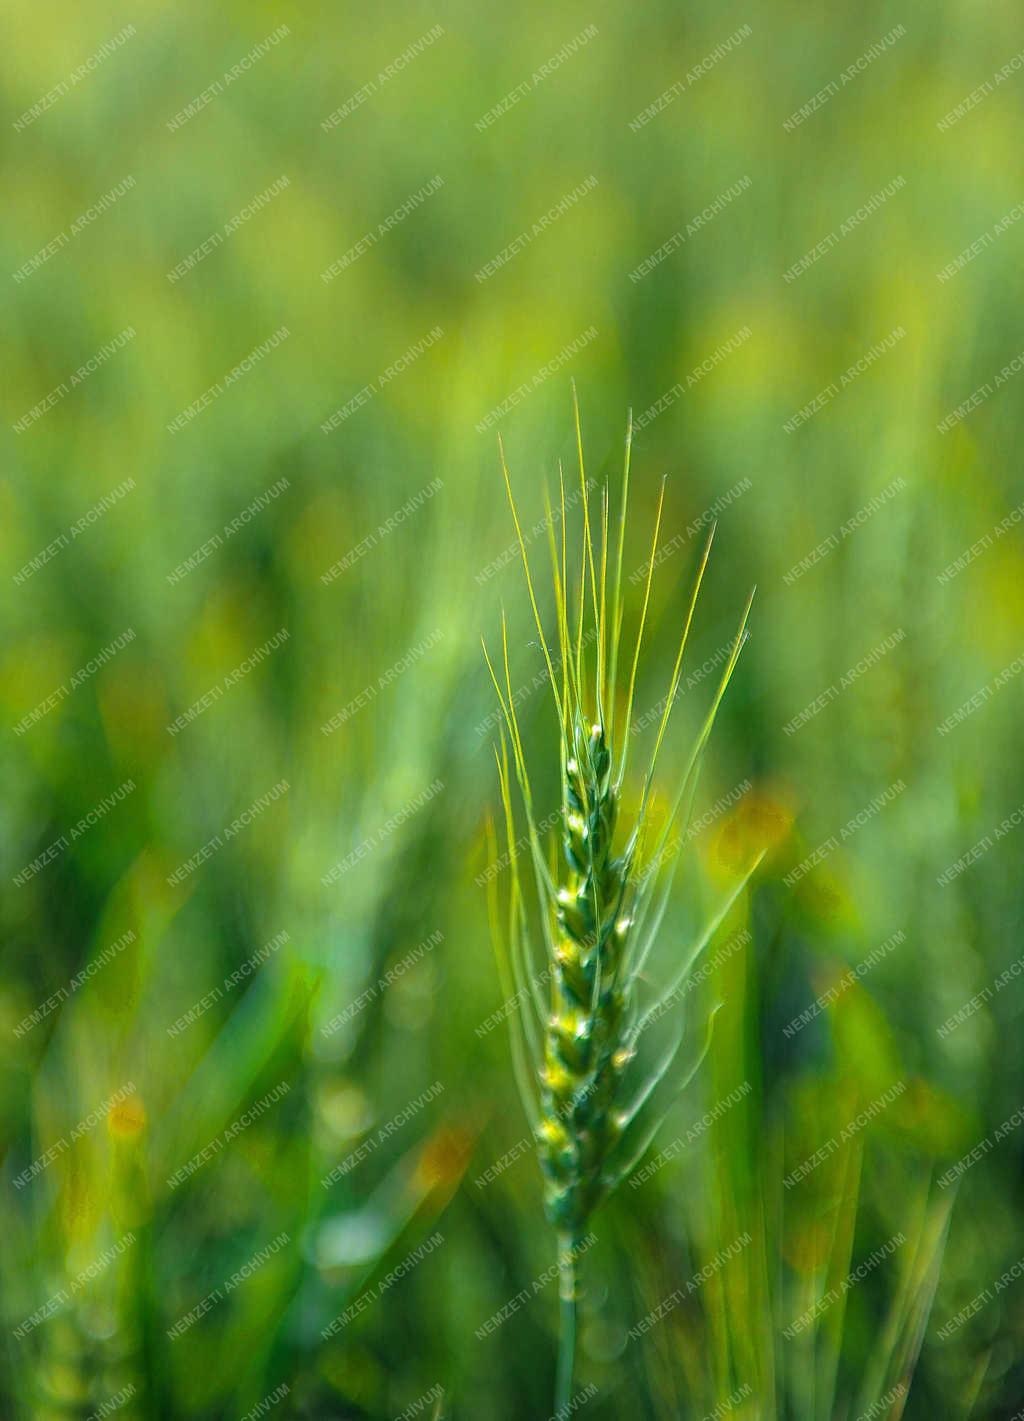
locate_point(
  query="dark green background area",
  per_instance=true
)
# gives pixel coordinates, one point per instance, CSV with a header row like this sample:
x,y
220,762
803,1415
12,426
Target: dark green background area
x,y
406,493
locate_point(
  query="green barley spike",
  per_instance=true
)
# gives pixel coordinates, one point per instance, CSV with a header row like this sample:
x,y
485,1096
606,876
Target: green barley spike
x,y
588,1113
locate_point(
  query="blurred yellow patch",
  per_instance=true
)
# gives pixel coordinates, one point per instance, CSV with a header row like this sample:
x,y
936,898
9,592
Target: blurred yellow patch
x,y
759,823
444,1157
127,1119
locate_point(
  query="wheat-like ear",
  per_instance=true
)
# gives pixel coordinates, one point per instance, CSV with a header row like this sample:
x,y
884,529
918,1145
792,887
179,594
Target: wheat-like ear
x,y
574,1062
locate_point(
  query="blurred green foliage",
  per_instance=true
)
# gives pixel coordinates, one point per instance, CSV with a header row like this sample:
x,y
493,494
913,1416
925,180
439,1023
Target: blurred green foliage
x,y
121,915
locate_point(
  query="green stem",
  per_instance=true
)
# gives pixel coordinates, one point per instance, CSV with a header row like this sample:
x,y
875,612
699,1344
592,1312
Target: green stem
x,y
567,1321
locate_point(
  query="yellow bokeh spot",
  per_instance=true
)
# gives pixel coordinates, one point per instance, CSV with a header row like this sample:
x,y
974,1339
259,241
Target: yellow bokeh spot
x,y
444,1157
127,1119
759,823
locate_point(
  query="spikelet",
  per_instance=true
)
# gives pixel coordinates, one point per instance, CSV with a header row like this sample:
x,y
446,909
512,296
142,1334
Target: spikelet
x,y
600,914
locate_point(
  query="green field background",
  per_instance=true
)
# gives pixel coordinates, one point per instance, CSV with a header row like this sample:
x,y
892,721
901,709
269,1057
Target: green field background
x,y
248,728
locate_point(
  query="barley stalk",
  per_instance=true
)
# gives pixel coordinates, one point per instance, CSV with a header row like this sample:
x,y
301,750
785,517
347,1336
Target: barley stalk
x,y
600,914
